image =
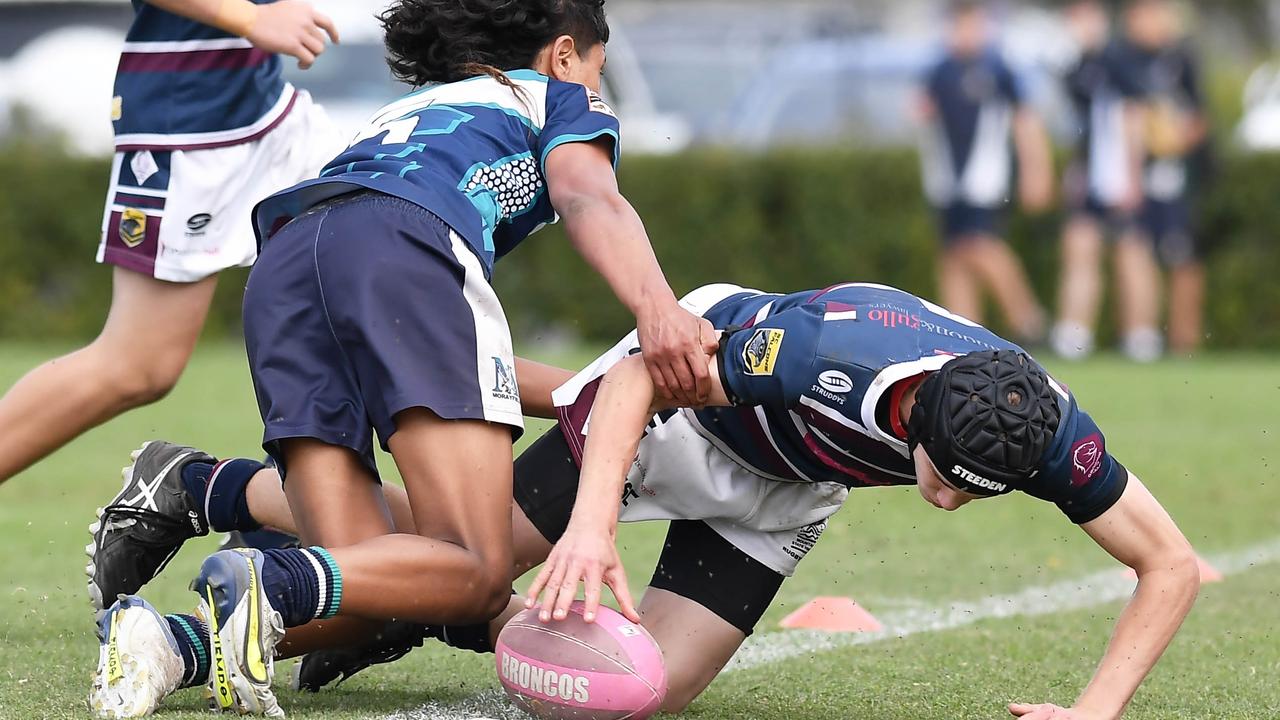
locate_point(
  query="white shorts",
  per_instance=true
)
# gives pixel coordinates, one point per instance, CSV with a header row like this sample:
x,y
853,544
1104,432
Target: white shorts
x,y
183,215
679,474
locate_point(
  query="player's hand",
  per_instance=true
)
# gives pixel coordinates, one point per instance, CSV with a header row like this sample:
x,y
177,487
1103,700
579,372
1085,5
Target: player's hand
x,y
585,555
294,28
676,344
1049,711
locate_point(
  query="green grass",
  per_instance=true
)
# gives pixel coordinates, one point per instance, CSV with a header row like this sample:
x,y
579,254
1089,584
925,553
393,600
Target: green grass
x,y
1203,435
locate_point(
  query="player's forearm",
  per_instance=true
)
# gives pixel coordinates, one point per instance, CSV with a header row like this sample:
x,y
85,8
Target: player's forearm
x,y
608,234
623,406
234,16
537,381
1143,632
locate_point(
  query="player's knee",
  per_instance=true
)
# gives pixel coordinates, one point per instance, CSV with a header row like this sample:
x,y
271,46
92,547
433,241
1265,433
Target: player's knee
x,y
489,590
138,376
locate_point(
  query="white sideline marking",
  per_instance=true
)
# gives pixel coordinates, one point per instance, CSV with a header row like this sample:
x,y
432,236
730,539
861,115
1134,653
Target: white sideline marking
x,y
1084,592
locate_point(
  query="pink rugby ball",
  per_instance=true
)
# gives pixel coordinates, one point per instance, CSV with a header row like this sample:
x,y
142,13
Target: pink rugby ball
x,y
610,669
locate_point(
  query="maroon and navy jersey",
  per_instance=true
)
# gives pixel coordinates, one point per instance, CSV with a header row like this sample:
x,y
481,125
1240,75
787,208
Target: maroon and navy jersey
x,y
809,375
181,85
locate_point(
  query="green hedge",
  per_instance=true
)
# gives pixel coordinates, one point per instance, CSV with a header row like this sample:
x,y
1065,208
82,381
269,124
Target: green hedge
x,y
786,221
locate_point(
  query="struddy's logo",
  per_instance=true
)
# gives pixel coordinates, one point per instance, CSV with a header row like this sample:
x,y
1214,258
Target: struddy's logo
x,y
761,352
545,681
504,381
975,479
197,223
1086,459
133,227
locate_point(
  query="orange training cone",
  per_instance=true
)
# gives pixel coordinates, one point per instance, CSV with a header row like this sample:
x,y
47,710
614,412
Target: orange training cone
x,y
1208,573
832,614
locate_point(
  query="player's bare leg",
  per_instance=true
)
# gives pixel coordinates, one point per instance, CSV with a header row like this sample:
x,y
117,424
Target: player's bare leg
x,y
995,263
144,346
458,477
1079,288
1138,292
1186,307
957,284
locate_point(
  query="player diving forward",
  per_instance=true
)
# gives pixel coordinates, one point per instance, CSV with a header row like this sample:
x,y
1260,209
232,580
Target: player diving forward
x,y
814,393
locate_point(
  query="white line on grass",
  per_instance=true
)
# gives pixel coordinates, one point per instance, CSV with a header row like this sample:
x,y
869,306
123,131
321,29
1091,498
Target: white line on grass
x,y
766,648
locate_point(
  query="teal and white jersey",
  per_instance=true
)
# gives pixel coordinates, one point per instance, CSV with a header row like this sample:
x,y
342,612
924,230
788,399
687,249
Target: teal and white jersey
x,y
472,152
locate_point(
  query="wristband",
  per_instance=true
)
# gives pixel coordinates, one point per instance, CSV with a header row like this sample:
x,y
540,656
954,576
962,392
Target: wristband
x,y
236,17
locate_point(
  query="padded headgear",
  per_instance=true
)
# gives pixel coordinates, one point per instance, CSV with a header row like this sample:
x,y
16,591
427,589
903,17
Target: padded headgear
x,y
985,420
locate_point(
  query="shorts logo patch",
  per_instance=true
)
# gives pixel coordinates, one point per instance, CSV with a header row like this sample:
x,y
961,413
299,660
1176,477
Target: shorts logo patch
x,y
761,352
133,227
597,104
198,222
805,540
1086,459
504,382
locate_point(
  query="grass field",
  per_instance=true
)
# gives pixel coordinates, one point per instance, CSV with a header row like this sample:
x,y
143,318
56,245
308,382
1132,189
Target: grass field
x,y
1203,435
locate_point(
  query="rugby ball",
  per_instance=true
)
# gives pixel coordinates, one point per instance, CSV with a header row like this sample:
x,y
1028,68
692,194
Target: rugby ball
x,y
570,669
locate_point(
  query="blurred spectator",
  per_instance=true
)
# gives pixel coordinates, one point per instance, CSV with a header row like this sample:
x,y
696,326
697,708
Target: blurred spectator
x,y
972,104
1176,132
1103,188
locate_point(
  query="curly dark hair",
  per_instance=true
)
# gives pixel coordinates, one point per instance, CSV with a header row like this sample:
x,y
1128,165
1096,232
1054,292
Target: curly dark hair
x,y
430,41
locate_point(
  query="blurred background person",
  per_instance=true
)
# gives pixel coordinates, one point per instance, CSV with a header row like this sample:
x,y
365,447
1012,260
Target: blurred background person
x,y
1176,132
972,104
1103,188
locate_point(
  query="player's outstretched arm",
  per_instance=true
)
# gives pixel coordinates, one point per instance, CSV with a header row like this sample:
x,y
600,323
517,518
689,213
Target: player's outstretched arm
x,y
290,27
607,232
586,553
1139,533
537,381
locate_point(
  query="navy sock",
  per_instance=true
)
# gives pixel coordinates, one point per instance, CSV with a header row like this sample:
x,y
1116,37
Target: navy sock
x,y
193,644
302,584
463,637
225,494
195,478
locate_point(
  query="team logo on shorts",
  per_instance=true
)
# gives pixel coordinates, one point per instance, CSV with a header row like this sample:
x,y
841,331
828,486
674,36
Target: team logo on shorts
x,y
504,381
761,351
133,227
197,223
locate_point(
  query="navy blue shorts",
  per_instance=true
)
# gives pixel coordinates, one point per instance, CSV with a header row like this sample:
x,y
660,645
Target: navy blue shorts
x,y
960,221
1171,228
366,306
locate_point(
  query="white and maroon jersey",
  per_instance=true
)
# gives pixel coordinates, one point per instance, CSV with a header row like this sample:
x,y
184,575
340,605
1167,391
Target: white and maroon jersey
x,y
181,85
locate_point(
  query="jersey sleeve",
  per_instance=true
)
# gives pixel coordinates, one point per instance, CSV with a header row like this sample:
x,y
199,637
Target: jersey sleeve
x,y
1079,475
769,362
576,114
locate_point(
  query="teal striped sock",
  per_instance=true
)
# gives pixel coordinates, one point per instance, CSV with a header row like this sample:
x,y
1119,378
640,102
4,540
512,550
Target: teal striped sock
x,y
193,644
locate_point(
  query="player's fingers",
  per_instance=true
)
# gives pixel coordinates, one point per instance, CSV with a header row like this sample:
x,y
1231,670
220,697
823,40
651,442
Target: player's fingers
x,y
551,593
675,391
567,590
324,22
701,376
591,594
659,382
539,582
305,57
708,336
685,375
312,43
617,579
